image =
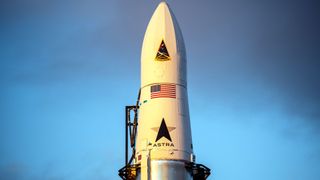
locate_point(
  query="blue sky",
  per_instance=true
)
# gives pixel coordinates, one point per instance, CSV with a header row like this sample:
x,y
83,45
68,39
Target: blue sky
x,y
68,69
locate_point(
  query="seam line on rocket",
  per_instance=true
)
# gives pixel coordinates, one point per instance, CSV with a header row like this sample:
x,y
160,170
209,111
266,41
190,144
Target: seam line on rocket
x,y
163,83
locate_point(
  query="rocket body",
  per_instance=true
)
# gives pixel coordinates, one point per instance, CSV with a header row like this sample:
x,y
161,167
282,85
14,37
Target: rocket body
x,y
163,142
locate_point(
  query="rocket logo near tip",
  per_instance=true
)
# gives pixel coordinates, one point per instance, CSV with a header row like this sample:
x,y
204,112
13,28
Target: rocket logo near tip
x,y
162,54
163,131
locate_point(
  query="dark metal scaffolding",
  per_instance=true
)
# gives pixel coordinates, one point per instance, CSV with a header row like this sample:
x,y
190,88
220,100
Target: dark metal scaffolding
x,y
129,171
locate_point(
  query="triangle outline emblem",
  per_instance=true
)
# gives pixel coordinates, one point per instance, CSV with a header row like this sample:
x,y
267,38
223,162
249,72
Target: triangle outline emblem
x,y
163,54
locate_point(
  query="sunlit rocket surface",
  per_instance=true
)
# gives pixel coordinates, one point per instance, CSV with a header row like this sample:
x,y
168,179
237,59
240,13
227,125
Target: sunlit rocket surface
x,y
164,148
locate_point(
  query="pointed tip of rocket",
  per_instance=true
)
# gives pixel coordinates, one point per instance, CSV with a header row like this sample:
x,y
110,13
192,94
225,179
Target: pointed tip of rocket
x,y
164,22
163,8
163,3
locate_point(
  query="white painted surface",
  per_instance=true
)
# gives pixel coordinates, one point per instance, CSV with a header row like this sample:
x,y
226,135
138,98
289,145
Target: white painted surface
x,y
175,112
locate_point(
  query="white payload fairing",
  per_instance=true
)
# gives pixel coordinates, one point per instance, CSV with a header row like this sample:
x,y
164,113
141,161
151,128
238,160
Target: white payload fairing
x,y
160,133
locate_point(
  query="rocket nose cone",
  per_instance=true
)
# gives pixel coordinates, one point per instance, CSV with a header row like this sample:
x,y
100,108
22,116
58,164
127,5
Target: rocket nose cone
x,y
163,4
163,50
163,26
162,10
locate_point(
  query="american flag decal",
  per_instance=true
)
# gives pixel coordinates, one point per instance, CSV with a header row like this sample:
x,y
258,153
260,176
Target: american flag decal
x,y
163,91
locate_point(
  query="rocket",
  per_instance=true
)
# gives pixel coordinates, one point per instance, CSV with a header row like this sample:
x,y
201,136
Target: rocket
x,y
160,132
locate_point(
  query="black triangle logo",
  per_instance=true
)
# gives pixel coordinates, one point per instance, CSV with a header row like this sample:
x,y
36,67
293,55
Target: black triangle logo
x,y
162,54
163,131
